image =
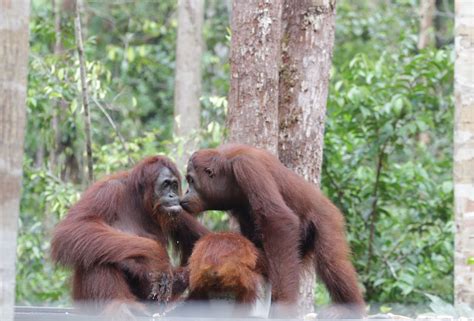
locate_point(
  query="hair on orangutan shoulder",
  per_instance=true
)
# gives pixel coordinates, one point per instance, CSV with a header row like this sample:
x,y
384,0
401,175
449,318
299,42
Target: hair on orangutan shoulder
x,y
291,222
115,237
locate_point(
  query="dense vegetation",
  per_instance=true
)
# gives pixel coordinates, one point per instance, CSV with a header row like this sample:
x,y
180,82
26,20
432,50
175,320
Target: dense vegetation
x,y
387,157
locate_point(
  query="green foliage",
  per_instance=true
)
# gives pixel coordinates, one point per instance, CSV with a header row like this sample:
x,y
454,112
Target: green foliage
x,y
388,158
440,307
45,199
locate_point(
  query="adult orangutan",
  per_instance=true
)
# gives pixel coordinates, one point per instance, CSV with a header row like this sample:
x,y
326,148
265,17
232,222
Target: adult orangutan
x,y
115,237
287,218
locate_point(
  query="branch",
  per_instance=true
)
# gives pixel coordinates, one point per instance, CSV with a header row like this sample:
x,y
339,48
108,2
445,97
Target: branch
x,y
114,126
57,28
373,212
335,185
85,95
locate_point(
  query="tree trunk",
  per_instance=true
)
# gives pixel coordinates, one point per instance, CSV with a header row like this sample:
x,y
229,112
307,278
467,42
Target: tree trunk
x,y
188,74
14,15
307,46
254,60
58,49
464,153
281,55
84,90
426,36
62,9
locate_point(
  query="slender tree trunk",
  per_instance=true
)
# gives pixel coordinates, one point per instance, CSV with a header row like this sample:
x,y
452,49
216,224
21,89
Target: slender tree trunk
x,y
58,49
307,46
14,16
39,155
255,55
464,153
426,36
85,93
187,90
69,168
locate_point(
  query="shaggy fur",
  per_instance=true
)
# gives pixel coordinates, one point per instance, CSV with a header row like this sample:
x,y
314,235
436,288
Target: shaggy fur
x,y
224,264
287,218
115,237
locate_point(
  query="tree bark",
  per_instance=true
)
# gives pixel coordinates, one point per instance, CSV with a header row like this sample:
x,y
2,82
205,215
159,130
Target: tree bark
x,y
464,153
307,46
254,61
426,36
14,16
187,92
68,169
85,93
58,49
281,55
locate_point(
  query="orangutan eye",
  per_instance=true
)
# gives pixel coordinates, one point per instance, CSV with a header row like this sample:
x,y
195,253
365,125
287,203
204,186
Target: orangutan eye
x,y
189,179
175,186
166,183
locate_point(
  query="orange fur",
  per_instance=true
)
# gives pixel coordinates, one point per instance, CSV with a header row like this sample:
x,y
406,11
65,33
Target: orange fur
x,y
224,263
115,238
292,223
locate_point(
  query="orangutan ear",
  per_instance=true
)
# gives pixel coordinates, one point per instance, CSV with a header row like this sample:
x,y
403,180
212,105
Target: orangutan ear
x,y
209,172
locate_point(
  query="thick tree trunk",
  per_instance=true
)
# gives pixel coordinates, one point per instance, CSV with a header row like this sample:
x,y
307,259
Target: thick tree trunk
x,y
14,15
426,36
307,46
281,55
255,55
464,153
188,74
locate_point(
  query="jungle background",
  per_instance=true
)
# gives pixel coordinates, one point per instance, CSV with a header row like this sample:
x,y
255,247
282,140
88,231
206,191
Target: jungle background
x,y
388,138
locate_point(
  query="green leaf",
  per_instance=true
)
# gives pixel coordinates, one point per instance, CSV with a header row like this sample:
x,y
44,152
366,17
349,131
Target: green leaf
x,y
385,309
447,187
440,306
